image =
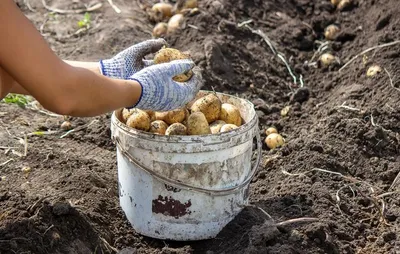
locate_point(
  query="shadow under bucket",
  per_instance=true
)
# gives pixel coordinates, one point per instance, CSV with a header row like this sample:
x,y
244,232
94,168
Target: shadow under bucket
x,y
186,187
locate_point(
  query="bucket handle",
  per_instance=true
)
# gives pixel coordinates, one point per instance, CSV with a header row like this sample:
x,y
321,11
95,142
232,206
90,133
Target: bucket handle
x,y
184,186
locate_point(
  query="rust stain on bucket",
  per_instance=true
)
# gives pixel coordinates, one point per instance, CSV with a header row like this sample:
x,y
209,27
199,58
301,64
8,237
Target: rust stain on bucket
x,y
171,207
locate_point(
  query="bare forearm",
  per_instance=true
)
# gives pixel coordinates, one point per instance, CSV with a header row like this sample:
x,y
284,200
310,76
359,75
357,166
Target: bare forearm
x,y
91,94
92,66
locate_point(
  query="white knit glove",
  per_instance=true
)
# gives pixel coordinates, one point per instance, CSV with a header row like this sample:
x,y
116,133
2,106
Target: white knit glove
x,y
160,92
131,60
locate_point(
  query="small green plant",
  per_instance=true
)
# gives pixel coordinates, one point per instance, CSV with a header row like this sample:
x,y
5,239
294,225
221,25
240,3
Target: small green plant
x,y
85,22
20,100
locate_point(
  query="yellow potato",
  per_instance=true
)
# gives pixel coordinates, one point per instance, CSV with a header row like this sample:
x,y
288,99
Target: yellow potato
x,y
158,127
160,29
164,10
230,114
139,120
190,4
331,32
176,129
216,126
66,125
209,105
228,127
175,116
166,55
175,23
151,115
274,140
271,130
343,4
197,124
160,115
373,70
327,59
126,113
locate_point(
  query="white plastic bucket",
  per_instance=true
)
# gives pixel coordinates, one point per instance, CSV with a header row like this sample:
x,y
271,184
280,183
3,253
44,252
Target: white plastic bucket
x,y
185,187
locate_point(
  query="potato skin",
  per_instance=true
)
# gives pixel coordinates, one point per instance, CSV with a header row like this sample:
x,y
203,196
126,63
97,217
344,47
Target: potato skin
x,y
176,129
274,140
175,116
158,127
165,55
139,120
228,127
126,113
216,126
230,114
209,105
151,115
197,124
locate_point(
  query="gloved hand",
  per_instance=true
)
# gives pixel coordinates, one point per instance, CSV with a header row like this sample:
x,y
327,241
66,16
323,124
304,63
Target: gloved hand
x,y
160,92
128,62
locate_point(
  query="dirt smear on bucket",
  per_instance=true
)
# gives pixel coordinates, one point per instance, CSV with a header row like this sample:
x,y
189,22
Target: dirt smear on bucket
x,y
339,164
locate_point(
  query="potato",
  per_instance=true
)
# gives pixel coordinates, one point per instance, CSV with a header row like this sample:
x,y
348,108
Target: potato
x,y
190,4
343,4
216,126
209,105
165,55
163,10
175,23
126,113
274,140
335,2
327,59
230,114
197,124
373,70
228,127
271,130
151,114
176,129
66,126
160,29
175,116
331,32
158,127
139,120
160,115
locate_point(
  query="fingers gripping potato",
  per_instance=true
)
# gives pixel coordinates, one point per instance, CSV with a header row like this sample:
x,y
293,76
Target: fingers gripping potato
x,y
165,55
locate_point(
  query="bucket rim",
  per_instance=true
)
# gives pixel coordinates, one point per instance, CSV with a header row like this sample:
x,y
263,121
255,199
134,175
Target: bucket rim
x,y
188,138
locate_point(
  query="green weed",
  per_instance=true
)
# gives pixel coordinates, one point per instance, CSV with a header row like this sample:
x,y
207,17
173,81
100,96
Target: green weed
x,y
20,100
85,22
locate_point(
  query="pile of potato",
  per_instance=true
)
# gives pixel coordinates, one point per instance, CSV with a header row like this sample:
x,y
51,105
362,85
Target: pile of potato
x,y
207,115
169,18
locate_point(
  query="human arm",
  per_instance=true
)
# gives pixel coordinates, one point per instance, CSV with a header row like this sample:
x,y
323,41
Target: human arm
x,y
58,86
9,85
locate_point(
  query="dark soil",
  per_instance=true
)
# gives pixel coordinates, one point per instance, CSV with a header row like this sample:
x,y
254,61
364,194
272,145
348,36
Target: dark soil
x,y
68,201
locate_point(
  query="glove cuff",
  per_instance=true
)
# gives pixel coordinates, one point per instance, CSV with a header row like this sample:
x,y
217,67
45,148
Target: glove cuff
x,y
141,94
101,67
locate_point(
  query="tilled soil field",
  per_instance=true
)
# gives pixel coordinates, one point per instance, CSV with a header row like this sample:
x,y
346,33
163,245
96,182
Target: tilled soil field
x,y
59,194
